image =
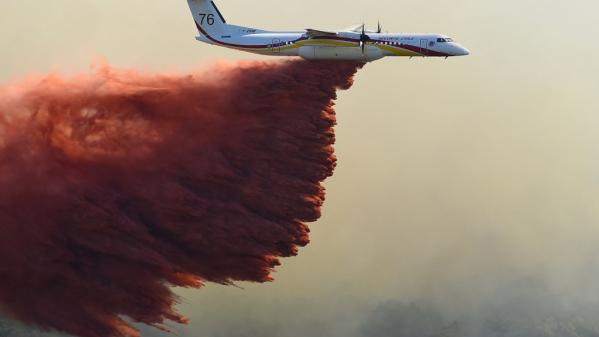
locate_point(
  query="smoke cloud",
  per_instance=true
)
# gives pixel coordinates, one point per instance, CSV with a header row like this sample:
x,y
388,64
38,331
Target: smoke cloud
x,y
118,185
527,308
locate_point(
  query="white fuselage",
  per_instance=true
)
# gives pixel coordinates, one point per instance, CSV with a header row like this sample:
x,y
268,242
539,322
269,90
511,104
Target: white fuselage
x,y
310,44
341,48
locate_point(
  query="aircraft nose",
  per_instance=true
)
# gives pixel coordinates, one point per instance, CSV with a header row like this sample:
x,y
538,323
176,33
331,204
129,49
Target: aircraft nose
x,y
462,51
456,49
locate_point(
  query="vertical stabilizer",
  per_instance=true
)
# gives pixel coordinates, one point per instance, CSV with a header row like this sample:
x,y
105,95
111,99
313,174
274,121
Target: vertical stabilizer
x,y
208,19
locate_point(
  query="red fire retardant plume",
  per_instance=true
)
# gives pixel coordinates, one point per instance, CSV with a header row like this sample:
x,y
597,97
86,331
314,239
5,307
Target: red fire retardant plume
x,y
118,185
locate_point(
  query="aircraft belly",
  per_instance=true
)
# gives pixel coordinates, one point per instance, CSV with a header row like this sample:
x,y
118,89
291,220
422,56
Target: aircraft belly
x,y
340,53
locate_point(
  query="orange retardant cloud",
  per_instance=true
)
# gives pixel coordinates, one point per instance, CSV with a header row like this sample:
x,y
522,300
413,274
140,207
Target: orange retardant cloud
x,y
117,185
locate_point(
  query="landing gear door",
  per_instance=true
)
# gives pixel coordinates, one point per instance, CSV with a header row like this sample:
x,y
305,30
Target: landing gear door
x,y
276,46
424,47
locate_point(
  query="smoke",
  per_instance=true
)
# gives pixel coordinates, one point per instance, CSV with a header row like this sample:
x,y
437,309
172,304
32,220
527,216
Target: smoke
x,y
9,328
528,308
118,185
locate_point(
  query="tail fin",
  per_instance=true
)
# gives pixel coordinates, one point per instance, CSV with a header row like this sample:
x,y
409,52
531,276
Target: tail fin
x,y
208,18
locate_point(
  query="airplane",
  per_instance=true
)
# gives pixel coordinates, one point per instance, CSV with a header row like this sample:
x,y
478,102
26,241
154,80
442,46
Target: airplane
x,y
352,44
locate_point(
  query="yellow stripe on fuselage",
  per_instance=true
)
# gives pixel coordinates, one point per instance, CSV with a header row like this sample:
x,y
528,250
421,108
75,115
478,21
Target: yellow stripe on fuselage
x,y
392,49
398,50
329,42
301,44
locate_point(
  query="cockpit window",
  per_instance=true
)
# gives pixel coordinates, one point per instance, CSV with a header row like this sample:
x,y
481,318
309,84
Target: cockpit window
x,y
447,39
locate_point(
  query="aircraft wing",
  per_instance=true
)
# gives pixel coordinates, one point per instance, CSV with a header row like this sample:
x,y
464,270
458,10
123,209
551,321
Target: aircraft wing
x,y
317,33
355,28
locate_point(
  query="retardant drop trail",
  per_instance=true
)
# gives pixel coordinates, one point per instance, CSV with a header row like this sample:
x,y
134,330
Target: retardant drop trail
x,y
116,185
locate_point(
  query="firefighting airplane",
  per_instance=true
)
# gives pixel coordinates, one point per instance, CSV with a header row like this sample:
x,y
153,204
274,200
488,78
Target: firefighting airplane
x,y
355,43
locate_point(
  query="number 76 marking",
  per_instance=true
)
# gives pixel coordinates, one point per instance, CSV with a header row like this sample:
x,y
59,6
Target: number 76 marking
x,y
208,18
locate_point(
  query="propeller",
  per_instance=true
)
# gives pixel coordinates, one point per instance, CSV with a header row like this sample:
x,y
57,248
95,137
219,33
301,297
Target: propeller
x,y
364,38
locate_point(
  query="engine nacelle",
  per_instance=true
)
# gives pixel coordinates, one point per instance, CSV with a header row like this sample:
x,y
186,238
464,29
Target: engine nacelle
x,y
341,53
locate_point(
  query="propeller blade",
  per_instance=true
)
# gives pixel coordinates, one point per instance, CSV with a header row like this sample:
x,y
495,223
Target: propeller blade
x,y
380,29
363,39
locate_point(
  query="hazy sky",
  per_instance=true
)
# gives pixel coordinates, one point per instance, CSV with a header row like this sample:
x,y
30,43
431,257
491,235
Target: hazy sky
x,y
455,176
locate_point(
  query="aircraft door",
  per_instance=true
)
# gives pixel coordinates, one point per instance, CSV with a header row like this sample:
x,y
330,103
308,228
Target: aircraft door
x,y
276,45
424,47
